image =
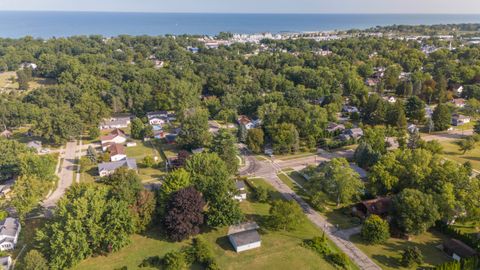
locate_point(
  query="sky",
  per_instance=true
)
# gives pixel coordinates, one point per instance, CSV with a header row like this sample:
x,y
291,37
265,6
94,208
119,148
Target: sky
x,y
251,6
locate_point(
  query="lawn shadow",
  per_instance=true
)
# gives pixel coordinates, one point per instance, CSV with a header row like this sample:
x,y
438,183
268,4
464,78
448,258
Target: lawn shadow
x,y
224,243
472,158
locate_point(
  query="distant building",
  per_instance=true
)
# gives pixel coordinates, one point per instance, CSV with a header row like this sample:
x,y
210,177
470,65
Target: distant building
x,y
457,249
6,263
333,127
458,90
6,133
9,231
245,121
116,136
459,102
107,168
31,66
193,49
353,133
158,118
37,145
350,109
116,121
459,120
117,152
241,191
244,236
379,206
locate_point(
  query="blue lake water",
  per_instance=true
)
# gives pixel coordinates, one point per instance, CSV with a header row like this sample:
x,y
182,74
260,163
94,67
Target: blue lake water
x,y
60,24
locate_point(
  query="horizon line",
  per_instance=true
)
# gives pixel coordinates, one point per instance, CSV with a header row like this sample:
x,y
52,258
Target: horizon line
x,y
243,13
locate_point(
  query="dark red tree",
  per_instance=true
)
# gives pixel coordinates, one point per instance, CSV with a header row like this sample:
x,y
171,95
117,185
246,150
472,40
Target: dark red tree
x,y
184,214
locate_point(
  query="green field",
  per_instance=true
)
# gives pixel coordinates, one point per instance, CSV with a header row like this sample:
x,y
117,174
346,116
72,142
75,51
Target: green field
x,y
139,152
8,82
388,255
451,151
280,250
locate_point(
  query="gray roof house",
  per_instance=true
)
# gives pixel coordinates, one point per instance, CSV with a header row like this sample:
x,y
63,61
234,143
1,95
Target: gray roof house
x,y
9,231
5,263
353,133
244,236
107,168
37,145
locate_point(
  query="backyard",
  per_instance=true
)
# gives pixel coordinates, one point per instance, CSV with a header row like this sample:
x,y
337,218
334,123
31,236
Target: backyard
x,y
451,151
280,250
8,82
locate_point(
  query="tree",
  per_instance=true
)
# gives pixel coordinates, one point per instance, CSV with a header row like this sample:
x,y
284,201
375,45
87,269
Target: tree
x,y
411,256
224,144
285,215
91,154
285,138
34,260
255,140
466,144
242,133
414,211
93,132
85,163
28,190
338,180
125,184
375,230
136,129
148,161
175,260
184,214
441,117
96,223
476,128
10,158
261,194
143,210
194,129
147,131
58,125
223,211
415,109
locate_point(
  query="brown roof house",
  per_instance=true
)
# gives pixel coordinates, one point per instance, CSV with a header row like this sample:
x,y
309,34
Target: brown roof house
x,y
117,152
457,249
116,136
379,206
244,236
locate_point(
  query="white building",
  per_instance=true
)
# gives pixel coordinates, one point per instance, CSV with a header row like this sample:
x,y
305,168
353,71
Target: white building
x,y
241,191
116,136
244,236
5,263
9,231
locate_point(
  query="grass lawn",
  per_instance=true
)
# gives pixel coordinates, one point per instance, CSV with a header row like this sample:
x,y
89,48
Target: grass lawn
x,y
7,84
450,151
280,250
139,152
295,156
469,227
388,255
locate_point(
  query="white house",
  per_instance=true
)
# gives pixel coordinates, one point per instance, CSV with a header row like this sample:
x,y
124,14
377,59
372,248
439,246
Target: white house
x,y
116,121
241,191
158,118
116,136
245,121
459,102
244,236
9,231
107,168
5,263
458,119
117,152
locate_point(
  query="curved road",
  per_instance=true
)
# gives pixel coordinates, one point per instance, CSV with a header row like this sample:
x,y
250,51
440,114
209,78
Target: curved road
x,y
269,170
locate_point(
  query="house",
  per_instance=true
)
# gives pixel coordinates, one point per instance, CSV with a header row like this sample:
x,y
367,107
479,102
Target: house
x,y
350,109
158,64
390,99
31,66
6,187
244,236
353,133
412,129
107,168
9,231
379,206
458,119
245,121
171,138
37,145
241,191
117,152
5,263
198,150
457,249
333,127
116,136
458,90
193,49
428,112
459,102
372,82
116,121
6,133
158,118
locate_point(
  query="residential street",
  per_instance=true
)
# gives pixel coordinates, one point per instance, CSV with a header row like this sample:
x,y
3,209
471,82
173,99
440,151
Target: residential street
x,y
269,170
67,170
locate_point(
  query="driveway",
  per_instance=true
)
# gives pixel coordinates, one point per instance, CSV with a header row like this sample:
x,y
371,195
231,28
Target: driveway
x,y
67,170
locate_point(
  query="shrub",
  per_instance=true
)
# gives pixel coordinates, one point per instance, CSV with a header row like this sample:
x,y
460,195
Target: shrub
x,y
318,201
411,256
319,244
261,194
375,230
175,260
339,259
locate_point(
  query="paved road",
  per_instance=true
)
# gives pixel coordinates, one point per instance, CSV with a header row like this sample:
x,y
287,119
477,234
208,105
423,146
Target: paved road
x,y
268,170
65,175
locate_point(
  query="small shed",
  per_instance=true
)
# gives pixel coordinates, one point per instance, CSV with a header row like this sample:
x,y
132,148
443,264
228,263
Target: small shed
x,y
241,191
244,236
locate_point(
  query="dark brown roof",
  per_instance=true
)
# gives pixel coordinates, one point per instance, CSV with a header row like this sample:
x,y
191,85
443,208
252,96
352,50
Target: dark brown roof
x,y
116,132
458,247
379,206
243,120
